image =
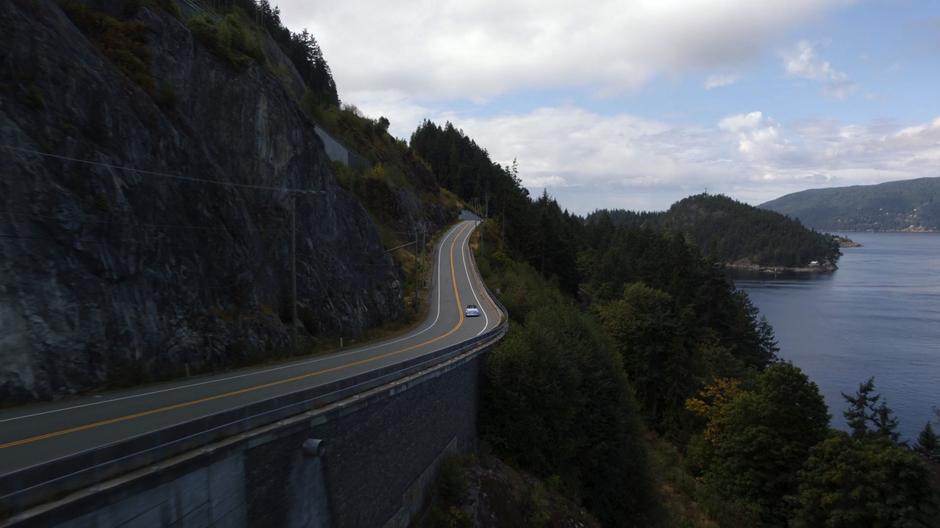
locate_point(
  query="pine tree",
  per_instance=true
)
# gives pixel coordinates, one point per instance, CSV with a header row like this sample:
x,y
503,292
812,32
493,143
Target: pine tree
x,y
868,416
928,444
885,424
858,413
767,338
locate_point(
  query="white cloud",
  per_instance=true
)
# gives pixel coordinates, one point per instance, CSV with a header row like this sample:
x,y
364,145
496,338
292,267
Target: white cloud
x,y
403,112
720,80
409,59
758,136
589,160
803,62
483,48
739,122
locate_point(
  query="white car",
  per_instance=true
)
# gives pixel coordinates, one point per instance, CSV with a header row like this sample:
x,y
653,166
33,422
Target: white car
x,y
471,311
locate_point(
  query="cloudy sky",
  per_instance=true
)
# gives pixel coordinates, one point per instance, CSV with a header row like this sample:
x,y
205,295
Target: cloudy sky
x,y
637,103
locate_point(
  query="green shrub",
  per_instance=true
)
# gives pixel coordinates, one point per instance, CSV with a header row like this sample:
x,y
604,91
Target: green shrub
x,y
230,39
452,482
122,42
206,32
449,491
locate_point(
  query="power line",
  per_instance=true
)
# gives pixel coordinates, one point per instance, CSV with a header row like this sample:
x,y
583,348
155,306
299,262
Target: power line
x,y
97,221
163,174
150,244
293,208
109,240
162,243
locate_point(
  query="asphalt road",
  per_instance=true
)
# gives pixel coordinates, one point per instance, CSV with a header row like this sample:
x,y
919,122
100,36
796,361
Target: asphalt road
x,y
36,434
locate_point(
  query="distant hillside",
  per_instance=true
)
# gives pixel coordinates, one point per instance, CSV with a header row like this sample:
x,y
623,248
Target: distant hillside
x,y
738,234
909,205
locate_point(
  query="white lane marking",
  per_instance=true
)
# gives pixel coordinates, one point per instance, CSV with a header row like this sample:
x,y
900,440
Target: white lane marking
x,y
484,292
272,369
466,269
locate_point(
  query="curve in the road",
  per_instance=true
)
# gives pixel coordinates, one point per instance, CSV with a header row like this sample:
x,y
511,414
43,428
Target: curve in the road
x,y
31,436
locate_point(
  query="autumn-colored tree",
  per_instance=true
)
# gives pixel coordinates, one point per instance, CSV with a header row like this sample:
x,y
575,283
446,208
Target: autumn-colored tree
x,y
711,402
760,438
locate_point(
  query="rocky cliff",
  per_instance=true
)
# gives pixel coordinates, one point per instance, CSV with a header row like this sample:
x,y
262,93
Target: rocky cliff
x,y
154,236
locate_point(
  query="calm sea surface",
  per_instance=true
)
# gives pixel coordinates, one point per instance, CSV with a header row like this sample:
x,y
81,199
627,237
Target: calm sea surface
x,y
878,315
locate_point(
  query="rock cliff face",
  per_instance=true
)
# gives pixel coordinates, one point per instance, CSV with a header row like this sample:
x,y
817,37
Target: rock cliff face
x,y
110,275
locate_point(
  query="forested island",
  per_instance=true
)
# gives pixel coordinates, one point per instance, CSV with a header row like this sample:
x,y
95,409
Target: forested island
x,y
907,205
736,234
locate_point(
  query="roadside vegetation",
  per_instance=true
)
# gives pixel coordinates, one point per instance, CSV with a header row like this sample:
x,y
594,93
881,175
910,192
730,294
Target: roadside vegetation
x,y
121,40
232,38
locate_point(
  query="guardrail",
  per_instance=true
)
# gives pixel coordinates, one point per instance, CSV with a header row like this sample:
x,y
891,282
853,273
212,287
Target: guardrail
x,y
48,481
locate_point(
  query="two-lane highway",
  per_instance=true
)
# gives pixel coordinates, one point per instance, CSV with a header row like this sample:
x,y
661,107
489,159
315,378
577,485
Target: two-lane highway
x,y
37,434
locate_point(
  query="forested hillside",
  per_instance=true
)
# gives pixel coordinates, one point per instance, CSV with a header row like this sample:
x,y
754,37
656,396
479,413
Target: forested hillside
x,y
641,384
909,205
542,233
738,234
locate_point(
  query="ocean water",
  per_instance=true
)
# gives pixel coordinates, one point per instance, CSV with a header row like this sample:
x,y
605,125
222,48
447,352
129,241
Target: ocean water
x,y
877,315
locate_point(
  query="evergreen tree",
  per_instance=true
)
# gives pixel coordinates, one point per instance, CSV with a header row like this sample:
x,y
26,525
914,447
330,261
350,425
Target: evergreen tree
x,y
649,337
761,439
849,482
557,402
300,48
868,415
928,444
885,424
859,412
767,338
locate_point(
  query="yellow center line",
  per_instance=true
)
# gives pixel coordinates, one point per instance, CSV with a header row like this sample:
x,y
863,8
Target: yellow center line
x,y
181,405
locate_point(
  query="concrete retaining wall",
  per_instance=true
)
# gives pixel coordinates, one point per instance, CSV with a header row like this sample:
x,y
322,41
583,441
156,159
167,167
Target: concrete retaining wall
x,y
381,453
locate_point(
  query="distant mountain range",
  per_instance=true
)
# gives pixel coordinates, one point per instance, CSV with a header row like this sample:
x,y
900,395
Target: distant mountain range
x,y
907,205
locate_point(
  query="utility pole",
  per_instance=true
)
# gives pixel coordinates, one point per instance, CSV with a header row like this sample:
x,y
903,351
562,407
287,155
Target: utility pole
x,y
414,301
293,272
486,214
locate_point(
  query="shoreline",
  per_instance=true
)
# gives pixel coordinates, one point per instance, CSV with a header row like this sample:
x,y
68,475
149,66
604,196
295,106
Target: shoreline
x,y
846,242
754,268
906,231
